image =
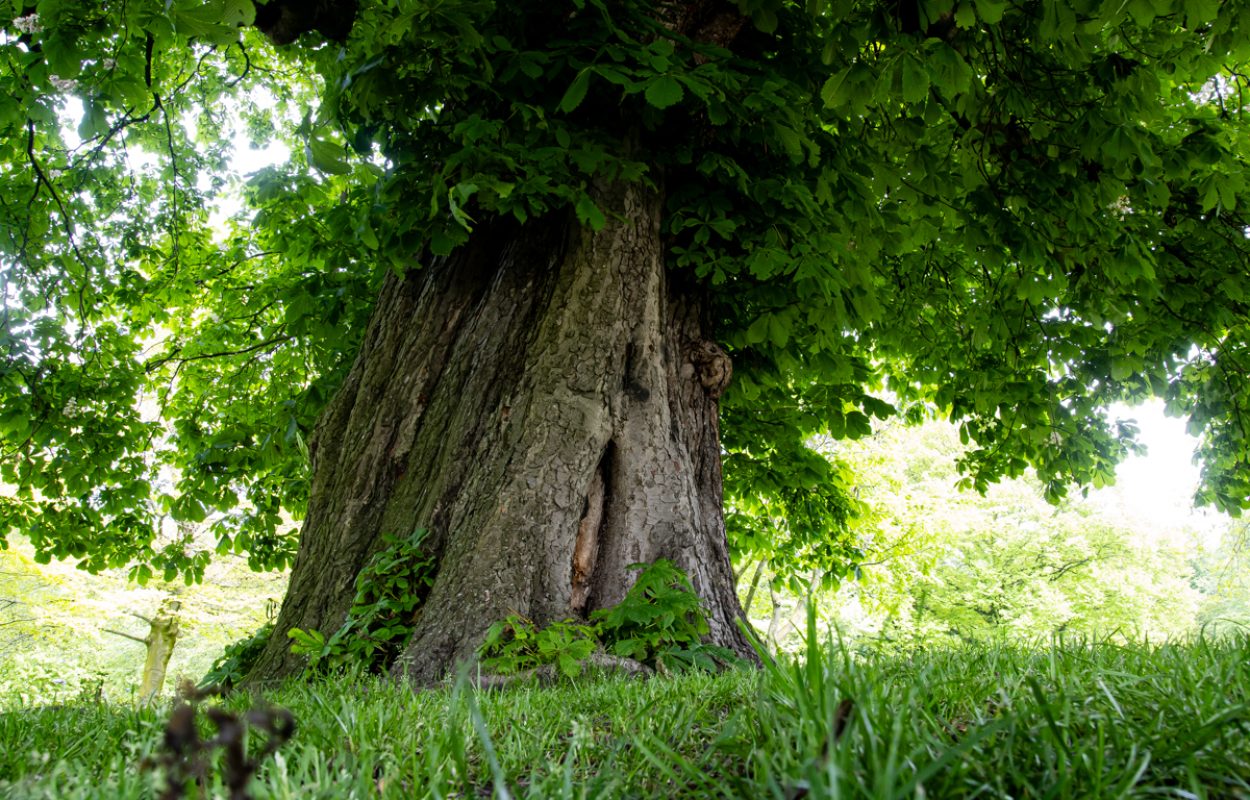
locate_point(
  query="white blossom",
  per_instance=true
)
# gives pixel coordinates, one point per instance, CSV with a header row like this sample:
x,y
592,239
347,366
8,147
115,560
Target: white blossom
x,y
1121,207
62,84
28,24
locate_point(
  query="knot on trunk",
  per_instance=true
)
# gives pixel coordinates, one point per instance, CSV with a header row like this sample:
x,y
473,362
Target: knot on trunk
x,y
713,366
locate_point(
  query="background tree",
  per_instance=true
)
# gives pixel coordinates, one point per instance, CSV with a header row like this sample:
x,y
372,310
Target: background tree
x,y
158,645
943,567
566,226
1222,574
53,642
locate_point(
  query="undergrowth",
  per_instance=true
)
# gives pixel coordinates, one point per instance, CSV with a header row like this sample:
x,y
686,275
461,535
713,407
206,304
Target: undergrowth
x,y
389,592
660,623
1075,720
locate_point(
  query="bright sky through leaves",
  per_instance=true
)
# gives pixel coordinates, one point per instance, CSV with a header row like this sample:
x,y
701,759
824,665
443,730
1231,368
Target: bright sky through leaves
x,y
1156,490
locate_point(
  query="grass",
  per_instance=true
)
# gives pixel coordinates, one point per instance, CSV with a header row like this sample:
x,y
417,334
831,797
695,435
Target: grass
x,y
1069,721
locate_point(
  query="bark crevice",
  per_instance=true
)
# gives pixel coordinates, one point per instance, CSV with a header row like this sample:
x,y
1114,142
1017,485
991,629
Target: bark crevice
x,y
589,531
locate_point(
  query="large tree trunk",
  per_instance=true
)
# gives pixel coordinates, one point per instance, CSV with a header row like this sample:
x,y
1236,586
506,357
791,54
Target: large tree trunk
x,y
544,402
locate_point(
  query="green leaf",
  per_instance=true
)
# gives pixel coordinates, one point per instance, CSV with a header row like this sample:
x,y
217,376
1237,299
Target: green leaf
x,y
327,156
1121,368
94,121
589,214
951,72
790,140
915,81
569,666
1143,12
239,13
442,242
63,57
965,15
834,92
991,11
576,92
215,21
664,91
367,235
765,19
778,330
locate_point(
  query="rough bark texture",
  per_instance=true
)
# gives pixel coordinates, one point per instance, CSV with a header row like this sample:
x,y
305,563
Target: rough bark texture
x,y
544,402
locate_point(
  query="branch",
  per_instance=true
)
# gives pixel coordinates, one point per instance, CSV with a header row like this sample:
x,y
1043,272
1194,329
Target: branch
x,y
247,66
143,642
159,362
755,584
1059,572
42,178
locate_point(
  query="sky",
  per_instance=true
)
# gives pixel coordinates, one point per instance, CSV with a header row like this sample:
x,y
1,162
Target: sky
x,y
1155,491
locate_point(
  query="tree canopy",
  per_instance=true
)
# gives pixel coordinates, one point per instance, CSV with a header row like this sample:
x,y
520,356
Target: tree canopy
x,y
1015,212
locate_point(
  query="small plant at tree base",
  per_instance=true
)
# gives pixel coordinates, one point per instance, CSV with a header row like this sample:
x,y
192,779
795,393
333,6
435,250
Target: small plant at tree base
x,y
389,593
660,623
515,644
187,759
237,659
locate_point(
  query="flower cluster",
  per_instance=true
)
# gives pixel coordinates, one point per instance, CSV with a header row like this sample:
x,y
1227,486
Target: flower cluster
x,y
28,24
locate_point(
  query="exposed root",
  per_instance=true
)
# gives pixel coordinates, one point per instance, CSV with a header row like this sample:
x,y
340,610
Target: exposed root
x,y
549,673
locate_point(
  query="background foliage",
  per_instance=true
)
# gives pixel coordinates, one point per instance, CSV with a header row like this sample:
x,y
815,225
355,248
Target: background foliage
x,y
53,617
944,567
941,568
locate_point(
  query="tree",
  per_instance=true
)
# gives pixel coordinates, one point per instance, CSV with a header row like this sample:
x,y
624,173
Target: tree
x,y
523,246
942,568
158,645
1220,574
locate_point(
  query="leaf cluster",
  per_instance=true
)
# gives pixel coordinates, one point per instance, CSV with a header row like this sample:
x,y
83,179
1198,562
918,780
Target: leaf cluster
x,y
1017,213
390,589
237,659
660,622
515,644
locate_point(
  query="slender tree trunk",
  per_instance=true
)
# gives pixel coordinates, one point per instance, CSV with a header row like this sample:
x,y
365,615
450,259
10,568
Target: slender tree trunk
x,y
162,636
544,403
776,620
159,646
755,584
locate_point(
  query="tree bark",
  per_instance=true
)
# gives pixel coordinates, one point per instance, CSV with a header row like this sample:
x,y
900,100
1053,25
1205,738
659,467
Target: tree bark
x,y
162,636
544,402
